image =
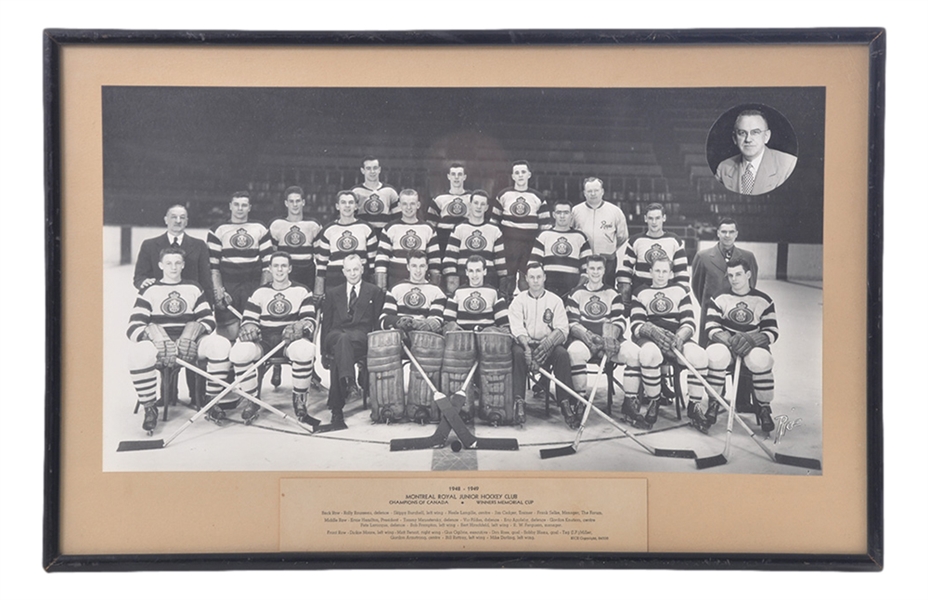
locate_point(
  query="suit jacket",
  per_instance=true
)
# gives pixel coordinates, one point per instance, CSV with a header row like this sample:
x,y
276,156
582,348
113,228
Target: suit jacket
x,y
709,278
367,309
775,167
196,262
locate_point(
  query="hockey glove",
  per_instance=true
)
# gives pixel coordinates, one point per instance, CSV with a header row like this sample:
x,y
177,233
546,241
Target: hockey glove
x,y
660,336
249,332
741,344
758,339
611,347
187,342
419,324
451,326
404,323
222,297
291,333
167,353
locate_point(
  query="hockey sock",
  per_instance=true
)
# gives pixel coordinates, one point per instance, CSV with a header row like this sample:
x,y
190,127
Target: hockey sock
x,y
301,371
716,379
632,380
763,387
219,368
146,384
578,376
694,387
651,378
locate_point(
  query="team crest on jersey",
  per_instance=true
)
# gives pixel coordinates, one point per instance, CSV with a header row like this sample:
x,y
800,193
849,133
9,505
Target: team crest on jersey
x,y
476,241
548,317
562,247
661,304
174,304
595,307
414,298
411,241
295,237
279,306
373,205
741,314
475,303
520,208
242,239
654,253
457,208
347,242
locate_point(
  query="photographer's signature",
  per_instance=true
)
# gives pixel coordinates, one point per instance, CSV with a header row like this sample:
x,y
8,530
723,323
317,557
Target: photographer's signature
x,y
783,424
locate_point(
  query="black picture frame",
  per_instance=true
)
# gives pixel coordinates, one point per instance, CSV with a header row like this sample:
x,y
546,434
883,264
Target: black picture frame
x,y
54,560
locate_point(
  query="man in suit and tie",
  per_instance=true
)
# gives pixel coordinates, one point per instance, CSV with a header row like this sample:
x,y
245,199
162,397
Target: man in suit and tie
x,y
196,265
349,312
710,267
758,169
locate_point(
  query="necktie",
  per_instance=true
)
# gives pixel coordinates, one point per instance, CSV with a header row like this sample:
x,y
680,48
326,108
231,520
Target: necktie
x,y
747,180
352,299
174,244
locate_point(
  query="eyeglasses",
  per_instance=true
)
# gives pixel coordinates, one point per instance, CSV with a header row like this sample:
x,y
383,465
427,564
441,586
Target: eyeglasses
x,y
741,133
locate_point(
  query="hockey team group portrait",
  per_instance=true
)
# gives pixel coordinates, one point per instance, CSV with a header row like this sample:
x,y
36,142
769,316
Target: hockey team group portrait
x,y
463,279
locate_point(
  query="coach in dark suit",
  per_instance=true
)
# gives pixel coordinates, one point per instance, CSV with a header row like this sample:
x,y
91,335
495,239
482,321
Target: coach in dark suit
x,y
758,169
710,269
196,260
349,312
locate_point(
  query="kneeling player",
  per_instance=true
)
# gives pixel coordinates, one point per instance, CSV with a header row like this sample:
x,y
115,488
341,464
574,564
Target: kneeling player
x,y
169,320
597,324
279,310
662,320
742,322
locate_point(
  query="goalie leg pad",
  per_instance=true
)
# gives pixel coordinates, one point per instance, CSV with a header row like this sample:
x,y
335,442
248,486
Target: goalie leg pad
x,y
459,356
497,404
385,375
428,348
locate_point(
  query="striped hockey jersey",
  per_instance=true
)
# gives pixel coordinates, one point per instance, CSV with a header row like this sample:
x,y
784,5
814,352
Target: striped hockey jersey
x,y
592,308
642,249
472,307
751,313
484,240
408,299
522,210
239,251
272,310
668,307
397,240
296,238
562,255
376,207
336,242
171,305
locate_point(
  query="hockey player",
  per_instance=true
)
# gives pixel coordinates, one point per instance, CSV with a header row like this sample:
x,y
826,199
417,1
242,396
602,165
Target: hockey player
x,y
562,252
345,236
476,237
521,214
279,310
643,249
662,320
742,322
238,259
446,211
597,324
476,306
539,322
603,224
402,236
171,318
414,304
376,200
295,235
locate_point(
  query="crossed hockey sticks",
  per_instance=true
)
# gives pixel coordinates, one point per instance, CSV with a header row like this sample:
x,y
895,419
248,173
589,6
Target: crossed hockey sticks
x,y
572,449
448,413
131,445
440,437
721,459
655,451
783,459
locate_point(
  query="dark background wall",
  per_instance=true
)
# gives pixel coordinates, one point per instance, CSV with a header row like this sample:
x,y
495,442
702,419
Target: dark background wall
x,y
194,146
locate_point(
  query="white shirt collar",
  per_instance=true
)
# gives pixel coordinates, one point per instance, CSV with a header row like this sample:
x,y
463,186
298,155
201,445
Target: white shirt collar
x,y
754,162
171,237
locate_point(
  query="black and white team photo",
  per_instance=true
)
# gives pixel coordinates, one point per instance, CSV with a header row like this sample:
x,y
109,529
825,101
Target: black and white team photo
x,y
439,279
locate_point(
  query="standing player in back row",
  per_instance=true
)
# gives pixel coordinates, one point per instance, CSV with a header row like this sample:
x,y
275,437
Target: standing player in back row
x,y
399,238
295,235
339,239
642,250
376,200
450,209
477,236
239,254
521,214
562,252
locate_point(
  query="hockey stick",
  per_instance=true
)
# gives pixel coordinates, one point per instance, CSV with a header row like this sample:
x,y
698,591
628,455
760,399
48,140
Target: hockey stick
x,y
130,445
454,418
614,423
783,459
437,439
721,459
572,449
312,422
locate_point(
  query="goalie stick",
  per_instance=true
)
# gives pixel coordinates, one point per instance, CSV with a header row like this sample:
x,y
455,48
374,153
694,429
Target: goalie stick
x,y
468,439
572,448
721,459
783,459
440,437
131,445
655,451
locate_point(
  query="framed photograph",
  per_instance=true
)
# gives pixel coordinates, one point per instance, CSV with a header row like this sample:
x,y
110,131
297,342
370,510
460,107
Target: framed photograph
x,y
432,299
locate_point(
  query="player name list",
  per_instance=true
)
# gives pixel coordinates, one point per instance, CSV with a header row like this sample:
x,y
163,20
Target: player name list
x,y
416,514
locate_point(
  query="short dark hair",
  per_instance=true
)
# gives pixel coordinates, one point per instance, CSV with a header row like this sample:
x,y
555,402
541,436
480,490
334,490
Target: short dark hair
x,y
739,261
520,162
175,205
665,259
596,258
654,206
369,158
171,250
591,180
280,254
416,254
242,194
476,258
480,192
728,221
341,193
533,265
751,112
564,202
456,165
293,189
